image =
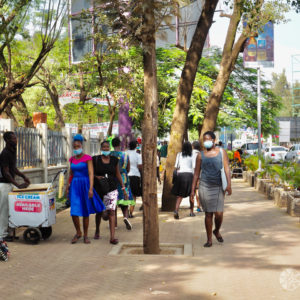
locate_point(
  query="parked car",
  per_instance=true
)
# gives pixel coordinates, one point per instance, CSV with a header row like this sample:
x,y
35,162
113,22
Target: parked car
x,y
275,153
293,154
250,148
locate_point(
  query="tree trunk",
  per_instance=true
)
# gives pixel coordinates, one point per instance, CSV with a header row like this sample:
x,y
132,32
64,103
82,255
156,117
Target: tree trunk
x,y
183,99
22,109
230,54
55,101
8,114
149,133
111,120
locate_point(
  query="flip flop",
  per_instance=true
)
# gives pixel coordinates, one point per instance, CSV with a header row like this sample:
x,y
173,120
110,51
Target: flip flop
x,y
86,240
219,239
97,236
75,239
114,241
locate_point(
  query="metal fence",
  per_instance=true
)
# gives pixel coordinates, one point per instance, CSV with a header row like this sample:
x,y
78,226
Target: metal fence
x,y
29,147
56,148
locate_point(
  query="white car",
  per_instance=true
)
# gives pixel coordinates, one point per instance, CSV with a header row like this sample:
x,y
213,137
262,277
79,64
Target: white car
x,y
250,148
294,153
275,153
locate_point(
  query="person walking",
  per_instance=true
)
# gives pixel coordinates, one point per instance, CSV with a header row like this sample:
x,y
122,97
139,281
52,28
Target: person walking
x,y
134,173
83,198
124,167
8,172
183,182
210,162
196,150
107,174
163,158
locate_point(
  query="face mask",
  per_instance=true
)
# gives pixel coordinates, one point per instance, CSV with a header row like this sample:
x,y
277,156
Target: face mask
x,y
77,151
208,144
105,153
12,144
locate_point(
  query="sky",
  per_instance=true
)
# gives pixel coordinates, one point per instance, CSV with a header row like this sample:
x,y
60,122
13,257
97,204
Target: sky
x,y
286,43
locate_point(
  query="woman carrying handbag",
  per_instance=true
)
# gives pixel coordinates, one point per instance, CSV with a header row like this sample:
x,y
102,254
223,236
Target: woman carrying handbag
x,y
107,173
215,180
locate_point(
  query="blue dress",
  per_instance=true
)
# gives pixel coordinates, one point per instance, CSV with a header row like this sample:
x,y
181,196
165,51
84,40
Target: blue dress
x,y
81,205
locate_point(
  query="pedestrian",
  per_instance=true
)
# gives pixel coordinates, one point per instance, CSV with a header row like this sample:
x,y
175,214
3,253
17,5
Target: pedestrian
x,y
107,174
134,173
157,168
83,198
196,150
209,163
124,167
8,172
183,183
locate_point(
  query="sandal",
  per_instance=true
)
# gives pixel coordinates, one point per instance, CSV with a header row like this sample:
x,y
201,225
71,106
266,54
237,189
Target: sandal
x,y
192,214
86,240
114,241
219,238
207,245
75,239
97,236
176,215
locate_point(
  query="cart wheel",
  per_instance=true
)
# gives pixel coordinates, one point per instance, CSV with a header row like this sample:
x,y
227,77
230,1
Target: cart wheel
x,y
46,232
32,235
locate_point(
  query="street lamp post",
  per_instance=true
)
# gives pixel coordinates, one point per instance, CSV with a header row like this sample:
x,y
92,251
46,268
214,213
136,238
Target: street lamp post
x,y
259,116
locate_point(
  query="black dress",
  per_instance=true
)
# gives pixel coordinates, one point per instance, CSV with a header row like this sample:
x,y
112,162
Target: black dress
x,y
106,170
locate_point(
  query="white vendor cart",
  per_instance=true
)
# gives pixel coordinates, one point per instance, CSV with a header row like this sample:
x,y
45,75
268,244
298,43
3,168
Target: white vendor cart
x,y
35,208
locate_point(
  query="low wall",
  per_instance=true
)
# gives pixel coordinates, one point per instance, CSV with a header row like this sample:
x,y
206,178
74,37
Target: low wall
x,y
36,175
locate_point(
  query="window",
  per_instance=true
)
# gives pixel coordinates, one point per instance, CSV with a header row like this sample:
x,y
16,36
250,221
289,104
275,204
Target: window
x,y
253,146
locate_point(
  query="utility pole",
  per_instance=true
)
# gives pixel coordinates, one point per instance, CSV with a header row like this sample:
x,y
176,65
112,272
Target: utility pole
x,y
259,116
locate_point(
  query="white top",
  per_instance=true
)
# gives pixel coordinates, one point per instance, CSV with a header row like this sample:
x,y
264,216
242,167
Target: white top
x,y
184,163
194,155
135,160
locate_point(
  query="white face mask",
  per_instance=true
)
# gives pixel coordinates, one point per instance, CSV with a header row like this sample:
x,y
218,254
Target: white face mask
x,y
208,144
77,151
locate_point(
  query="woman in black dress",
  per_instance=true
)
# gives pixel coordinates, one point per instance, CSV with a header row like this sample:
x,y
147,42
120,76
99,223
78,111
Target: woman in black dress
x,y
106,170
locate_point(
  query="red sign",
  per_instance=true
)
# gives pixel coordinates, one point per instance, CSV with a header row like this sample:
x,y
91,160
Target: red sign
x,y
28,206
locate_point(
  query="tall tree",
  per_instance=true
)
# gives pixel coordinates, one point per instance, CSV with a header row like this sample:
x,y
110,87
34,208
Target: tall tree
x,y
184,92
282,88
257,13
13,15
137,22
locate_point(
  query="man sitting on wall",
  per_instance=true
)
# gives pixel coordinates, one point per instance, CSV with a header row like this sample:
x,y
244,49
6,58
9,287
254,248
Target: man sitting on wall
x,y
8,171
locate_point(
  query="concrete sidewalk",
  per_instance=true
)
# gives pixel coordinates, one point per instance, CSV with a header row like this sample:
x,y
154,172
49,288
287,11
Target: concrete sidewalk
x,y
261,243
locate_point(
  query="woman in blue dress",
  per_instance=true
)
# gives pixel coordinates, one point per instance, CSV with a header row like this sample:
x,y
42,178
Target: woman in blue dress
x,y
83,198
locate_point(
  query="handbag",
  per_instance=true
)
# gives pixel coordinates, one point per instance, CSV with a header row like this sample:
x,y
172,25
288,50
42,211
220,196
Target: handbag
x,y
101,185
175,173
223,174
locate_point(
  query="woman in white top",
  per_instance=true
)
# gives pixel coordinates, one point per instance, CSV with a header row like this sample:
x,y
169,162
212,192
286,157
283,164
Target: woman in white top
x,y
134,173
183,184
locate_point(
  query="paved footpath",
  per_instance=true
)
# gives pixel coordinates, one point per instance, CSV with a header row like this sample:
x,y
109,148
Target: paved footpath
x,y
261,243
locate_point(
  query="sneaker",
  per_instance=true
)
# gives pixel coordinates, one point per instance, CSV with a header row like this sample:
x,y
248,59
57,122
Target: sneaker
x,y
4,253
127,223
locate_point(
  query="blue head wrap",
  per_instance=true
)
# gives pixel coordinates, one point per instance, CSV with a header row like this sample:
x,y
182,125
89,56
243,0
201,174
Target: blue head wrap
x,y
78,137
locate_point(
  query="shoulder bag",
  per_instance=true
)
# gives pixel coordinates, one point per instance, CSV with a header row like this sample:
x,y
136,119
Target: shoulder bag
x,y
101,185
223,174
175,172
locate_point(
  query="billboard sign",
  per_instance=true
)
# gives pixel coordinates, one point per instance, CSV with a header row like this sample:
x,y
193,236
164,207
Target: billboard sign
x,y
259,51
284,131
